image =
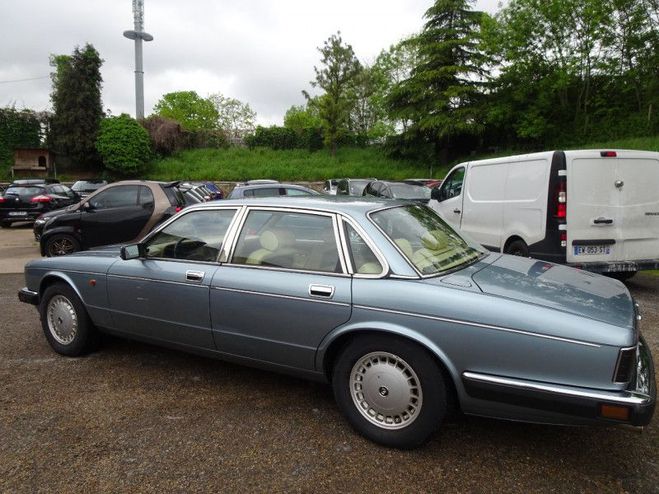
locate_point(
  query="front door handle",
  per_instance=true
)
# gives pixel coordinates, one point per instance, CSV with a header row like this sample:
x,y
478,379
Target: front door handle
x,y
603,221
457,211
197,276
325,291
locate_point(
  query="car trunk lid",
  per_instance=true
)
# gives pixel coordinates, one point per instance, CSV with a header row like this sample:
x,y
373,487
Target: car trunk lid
x,y
559,287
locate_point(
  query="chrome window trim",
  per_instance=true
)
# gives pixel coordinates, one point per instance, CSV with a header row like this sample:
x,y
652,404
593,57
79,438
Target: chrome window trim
x,y
286,270
315,212
371,245
478,325
631,398
276,295
409,261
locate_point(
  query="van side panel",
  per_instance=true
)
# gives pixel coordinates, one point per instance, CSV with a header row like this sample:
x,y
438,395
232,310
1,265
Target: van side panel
x,y
526,199
483,205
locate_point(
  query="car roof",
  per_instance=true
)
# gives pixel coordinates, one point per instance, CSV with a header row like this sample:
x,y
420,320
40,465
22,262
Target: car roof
x,y
335,204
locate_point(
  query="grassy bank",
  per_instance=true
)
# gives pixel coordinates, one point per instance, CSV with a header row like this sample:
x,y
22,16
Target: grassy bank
x,y
243,164
237,164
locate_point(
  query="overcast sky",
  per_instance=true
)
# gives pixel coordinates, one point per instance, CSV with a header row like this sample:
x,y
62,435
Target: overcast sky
x,y
259,51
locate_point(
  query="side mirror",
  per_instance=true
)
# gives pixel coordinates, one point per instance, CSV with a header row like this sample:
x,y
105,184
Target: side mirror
x,y
435,194
87,206
132,251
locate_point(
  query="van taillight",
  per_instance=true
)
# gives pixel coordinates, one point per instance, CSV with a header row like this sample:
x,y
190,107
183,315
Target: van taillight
x,y
563,238
561,200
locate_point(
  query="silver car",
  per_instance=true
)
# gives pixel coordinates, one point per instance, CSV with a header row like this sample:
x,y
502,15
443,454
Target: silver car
x,y
401,314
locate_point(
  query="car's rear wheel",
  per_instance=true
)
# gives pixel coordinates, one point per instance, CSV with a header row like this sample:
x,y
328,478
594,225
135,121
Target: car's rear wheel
x,y
61,244
65,321
391,390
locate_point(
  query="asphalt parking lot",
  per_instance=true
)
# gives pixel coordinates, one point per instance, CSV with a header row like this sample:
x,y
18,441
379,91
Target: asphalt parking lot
x,y
134,417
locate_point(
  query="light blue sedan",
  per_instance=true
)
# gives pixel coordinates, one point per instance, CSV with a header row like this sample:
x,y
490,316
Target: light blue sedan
x,y
404,317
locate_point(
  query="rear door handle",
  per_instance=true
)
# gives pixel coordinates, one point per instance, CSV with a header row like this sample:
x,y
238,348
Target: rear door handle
x,y
603,221
456,211
325,291
194,276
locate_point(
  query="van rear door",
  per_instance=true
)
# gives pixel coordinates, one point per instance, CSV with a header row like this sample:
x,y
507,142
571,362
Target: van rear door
x,y
612,206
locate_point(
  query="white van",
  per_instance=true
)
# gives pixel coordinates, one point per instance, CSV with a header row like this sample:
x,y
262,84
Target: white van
x,y
596,210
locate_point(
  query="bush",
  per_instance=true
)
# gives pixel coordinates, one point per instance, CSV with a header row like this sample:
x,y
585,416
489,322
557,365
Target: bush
x,y
123,145
279,138
166,135
215,139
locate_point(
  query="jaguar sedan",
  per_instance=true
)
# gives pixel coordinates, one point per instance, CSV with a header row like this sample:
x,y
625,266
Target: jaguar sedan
x,y
402,315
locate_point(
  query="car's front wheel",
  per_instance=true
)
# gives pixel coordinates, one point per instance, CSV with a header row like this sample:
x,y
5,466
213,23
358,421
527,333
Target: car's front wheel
x,y
61,244
65,321
391,390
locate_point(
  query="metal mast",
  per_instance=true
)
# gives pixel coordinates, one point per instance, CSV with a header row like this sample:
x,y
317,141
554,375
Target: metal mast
x,y
138,35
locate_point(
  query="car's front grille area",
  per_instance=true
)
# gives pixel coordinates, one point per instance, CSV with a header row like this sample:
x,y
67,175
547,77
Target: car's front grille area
x,y
626,365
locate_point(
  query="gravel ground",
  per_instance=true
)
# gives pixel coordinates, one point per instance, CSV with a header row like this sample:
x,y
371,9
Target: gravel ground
x,y
134,417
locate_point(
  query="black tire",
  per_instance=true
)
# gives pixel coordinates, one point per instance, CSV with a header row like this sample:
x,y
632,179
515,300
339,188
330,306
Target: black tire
x,y
65,322
402,370
517,248
5,224
61,244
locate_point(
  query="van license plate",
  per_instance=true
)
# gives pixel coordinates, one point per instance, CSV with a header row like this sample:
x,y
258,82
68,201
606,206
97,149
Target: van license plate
x,y
592,250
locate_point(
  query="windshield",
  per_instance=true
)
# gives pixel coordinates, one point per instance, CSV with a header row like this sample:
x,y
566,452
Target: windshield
x,y
405,191
430,244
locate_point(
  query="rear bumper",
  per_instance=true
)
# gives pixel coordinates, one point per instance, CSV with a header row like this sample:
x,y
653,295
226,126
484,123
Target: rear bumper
x,y
29,216
28,296
583,404
618,266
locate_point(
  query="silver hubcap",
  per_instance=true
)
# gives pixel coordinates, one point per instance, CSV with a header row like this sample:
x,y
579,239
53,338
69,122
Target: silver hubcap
x,y
62,247
386,390
62,319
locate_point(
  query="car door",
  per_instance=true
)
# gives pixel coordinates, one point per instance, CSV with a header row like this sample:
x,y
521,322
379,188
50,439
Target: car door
x,y
284,289
450,197
164,295
115,215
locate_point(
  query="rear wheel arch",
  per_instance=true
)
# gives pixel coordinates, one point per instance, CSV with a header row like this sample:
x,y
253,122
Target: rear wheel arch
x,y
515,242
338,344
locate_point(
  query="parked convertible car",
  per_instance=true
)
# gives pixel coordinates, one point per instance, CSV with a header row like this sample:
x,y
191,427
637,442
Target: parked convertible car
x,y
401,314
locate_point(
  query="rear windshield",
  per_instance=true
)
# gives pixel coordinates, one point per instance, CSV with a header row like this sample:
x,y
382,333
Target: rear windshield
x,y
404,191
175,196
20,190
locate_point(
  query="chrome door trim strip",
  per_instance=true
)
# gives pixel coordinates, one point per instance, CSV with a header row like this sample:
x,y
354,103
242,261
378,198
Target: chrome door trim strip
x,y
478,325
167,282
629,399
275,295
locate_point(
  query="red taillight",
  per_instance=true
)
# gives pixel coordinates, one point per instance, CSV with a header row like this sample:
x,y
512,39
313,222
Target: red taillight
x,y
2,199
561,200
608,154
41,199
178,208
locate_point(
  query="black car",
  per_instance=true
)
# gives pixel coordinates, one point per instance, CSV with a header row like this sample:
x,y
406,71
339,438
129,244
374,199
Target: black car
x,y
86,187
26,200
397,190
119,212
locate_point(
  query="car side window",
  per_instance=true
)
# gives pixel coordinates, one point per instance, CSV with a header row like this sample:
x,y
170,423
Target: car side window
x,y
195,236
364,260
452,186
267,192
116,197
146,197
300,241
296,192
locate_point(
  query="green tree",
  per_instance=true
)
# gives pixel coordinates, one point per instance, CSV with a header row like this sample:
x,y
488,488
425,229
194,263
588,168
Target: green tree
x,y
77,107
124,145
189,109
235,118
336,74
18,129
300,118
441,98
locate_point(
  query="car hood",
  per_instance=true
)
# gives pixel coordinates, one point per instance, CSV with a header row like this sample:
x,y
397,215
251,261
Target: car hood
x,y
59,212
558,287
